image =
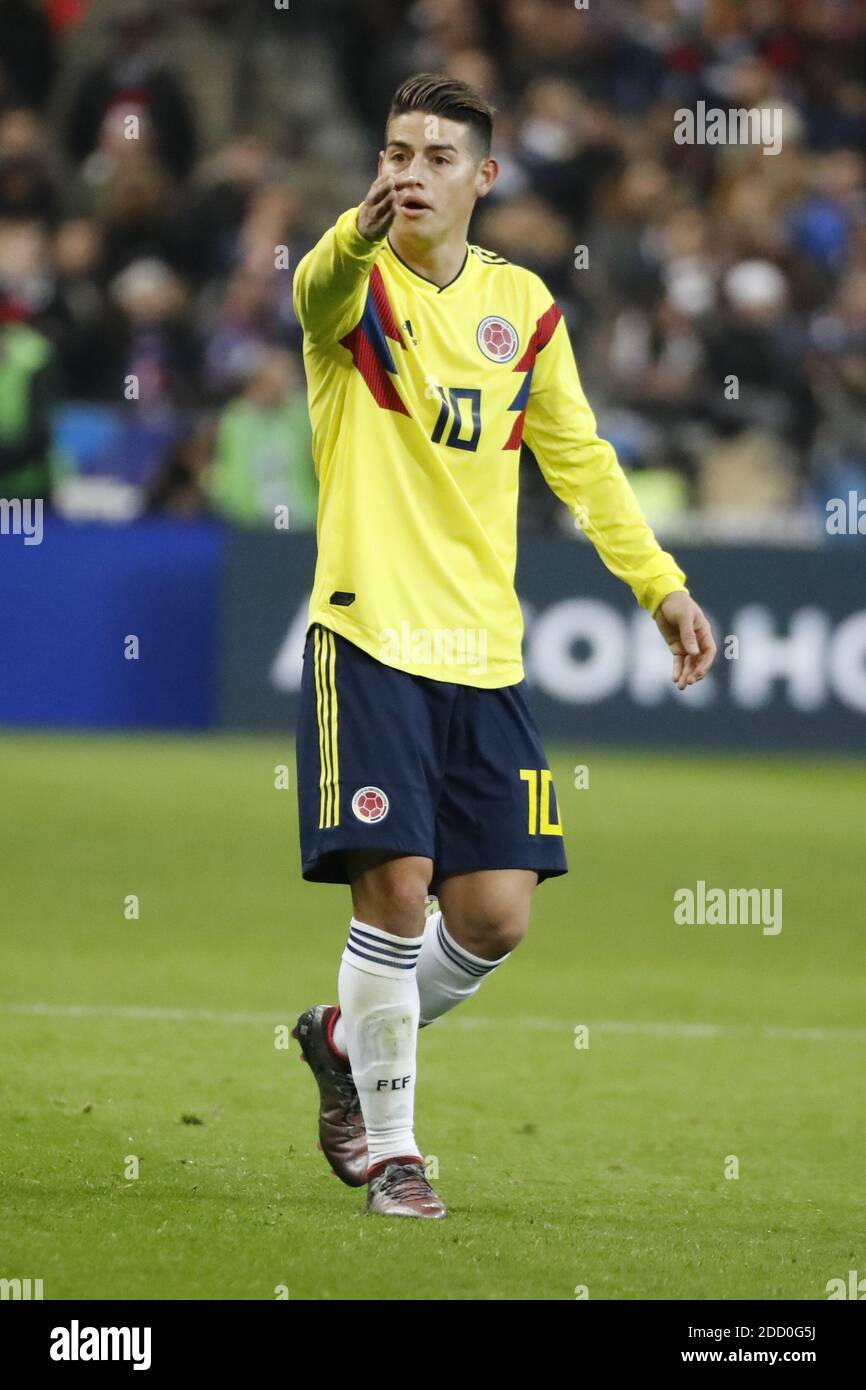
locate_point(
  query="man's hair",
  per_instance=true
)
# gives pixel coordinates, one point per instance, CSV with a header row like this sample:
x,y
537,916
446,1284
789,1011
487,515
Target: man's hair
x,y
437,95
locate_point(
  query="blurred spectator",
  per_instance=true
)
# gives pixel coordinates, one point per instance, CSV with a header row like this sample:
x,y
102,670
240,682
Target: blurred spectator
x,y
178,489
216,206
133,203
30,183
756,341
25,267
837,371
263,451
242,325
133,82
79,319
568,147
821,225
155,353
27,54
28,393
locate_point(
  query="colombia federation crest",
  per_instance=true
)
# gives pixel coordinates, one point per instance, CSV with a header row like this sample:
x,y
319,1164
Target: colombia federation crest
x,y
497,339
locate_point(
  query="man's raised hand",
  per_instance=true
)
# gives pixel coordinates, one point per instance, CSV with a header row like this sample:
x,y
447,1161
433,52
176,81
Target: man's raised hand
x,y
378,209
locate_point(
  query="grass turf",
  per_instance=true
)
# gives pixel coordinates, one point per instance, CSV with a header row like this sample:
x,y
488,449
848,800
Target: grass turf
x,y
601,1167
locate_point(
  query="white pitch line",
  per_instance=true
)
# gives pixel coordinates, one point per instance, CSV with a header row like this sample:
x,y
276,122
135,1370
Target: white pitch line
x,y
135,1012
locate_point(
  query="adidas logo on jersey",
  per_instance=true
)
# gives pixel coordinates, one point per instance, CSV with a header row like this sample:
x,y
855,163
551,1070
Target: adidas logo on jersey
x,y
488,257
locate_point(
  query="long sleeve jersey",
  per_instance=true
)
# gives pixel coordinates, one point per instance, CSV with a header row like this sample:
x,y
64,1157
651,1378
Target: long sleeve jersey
x,y
419,399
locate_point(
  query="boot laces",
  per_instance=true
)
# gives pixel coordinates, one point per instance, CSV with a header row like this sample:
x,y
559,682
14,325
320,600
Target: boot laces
x,y
407,1180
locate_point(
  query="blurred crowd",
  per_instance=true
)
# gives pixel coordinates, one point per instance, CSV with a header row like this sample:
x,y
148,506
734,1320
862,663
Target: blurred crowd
x,y
163,166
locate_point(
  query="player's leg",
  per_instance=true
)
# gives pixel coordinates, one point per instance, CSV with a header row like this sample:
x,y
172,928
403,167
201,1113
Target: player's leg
x,y
498,835
482,917
378,1023
369,742
390,891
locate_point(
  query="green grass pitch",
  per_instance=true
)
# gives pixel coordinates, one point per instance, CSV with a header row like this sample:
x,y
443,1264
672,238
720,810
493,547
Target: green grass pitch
x,y
602,1167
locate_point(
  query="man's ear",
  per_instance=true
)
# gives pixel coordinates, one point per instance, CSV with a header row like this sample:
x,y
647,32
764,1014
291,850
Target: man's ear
x,y
488,173
380,163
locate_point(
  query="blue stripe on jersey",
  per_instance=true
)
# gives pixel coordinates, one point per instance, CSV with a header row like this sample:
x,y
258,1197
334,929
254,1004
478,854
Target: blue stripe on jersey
x,y
372,326
521,400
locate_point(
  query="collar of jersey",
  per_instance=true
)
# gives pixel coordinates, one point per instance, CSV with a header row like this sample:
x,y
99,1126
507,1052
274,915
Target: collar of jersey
x,y
418,282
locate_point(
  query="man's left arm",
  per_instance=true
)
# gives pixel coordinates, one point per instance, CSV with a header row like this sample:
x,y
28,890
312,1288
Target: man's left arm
x,y
585,474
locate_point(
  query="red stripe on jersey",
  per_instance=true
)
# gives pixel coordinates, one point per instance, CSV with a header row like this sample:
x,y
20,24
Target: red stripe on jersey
x,y
367,361
383,307
544,331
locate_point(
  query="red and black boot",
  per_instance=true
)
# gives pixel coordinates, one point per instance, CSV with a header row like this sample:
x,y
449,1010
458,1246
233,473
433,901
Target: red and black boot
x,y
399,1187
342,1135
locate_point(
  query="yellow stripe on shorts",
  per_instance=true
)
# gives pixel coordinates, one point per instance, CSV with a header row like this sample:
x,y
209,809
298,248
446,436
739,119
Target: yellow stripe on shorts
x,y
324,666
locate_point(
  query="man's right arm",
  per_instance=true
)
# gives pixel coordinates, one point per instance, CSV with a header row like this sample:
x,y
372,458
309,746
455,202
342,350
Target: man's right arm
x,y
330,284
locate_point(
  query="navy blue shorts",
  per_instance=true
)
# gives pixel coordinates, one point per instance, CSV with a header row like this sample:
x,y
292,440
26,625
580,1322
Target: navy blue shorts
x,y
401,764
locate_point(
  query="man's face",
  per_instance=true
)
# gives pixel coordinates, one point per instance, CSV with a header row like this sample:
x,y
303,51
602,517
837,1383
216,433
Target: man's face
x,y
438,174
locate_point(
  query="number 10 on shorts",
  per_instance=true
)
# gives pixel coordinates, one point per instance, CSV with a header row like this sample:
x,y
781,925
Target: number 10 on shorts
x,y
539,785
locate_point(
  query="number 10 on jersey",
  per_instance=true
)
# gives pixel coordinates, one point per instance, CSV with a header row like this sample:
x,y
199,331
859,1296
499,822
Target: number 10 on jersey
x,y
458,401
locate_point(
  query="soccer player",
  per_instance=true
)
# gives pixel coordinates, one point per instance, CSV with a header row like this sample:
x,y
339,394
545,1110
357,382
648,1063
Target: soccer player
x,y
420,769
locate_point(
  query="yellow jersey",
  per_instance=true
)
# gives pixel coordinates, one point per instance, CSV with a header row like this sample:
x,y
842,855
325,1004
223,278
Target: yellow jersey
x,y
419,399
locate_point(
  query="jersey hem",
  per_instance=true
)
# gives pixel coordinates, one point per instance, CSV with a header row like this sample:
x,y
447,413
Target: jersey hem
x,y
504,675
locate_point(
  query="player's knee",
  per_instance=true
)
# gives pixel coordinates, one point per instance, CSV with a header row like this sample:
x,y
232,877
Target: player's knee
x,y
492,934
393,897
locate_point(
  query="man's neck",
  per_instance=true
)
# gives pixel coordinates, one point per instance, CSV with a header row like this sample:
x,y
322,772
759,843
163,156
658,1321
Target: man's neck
x,y
440,264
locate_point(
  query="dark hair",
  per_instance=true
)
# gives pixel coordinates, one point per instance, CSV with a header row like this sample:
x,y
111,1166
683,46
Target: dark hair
x,y
437,95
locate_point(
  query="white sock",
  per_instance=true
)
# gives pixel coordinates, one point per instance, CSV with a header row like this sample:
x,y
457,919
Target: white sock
x,y
379,1012
447,972
338,1036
